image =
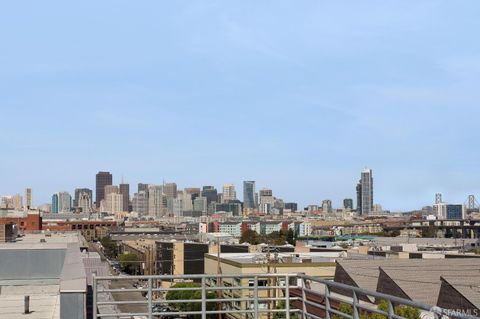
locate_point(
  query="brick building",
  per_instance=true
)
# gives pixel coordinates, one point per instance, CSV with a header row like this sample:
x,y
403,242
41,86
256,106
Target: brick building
x,y
90,229
29,222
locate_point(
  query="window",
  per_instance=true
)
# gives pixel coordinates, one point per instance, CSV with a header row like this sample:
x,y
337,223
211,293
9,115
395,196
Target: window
x,y
261,283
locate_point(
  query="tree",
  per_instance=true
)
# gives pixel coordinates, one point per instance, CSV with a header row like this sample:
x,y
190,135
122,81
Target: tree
x,y
399,310
281,315
130,263
429,232
110,248
191,295
291,237
251,237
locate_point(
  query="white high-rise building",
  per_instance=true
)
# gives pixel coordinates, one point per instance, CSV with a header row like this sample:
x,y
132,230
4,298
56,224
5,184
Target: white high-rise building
x,y
266,200
113,200
7,202
155,200
85,202
440,210
140,203
327,206
200,204
113,203
28,198
17,202
229,193
187,203
174,206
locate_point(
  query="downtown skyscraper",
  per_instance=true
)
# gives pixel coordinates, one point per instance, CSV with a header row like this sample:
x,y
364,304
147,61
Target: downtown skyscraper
x,y
61,202
102,179
78,193
249,194
365,193
28,198
229,193
125,191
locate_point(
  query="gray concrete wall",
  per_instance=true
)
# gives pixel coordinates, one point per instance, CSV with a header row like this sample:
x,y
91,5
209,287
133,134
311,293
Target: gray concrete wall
x,y
31,263
72,305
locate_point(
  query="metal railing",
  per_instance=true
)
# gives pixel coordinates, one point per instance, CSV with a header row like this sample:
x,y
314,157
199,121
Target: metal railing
x,y
269,296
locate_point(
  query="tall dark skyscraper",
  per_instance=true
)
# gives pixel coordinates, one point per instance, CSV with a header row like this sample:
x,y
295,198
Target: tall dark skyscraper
x,y
348,203
365,193
249,194
102,179
210,193
291,206
359,198
142,188
125,191
54,209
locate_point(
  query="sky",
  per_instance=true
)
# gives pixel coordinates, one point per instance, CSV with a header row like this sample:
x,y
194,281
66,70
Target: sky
x,y
298,95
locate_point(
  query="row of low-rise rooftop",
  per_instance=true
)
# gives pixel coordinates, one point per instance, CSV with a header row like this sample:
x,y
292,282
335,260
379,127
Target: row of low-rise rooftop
x,y
53,261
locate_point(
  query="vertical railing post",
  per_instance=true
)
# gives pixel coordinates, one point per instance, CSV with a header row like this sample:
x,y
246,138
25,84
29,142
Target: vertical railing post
x,y
255,297
204,299
304,297
355,306
150,316
94,284
287,297
327,302
390,309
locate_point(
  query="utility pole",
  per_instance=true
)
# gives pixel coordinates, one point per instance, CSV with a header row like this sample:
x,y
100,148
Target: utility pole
x,y
269,283
275,279
219,280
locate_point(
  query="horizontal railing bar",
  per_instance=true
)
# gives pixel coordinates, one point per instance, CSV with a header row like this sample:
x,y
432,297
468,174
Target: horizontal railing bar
x,y
244,288
169,277
207,300
339,313
310,315
104,303
197,312
318,305
126,302
196,289
121,290
375,310
362,291
129,314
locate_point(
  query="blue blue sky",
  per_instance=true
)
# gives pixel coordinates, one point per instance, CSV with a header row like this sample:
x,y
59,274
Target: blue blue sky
x,y
297,95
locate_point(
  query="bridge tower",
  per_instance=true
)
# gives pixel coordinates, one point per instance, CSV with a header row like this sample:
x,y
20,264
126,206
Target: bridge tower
x,y
438,198
472,203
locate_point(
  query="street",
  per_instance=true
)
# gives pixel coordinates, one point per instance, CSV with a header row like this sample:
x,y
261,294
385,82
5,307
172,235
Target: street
x,y
119,284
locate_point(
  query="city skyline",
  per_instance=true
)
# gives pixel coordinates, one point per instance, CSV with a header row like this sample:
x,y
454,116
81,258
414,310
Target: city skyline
x,y
130,191
208,93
